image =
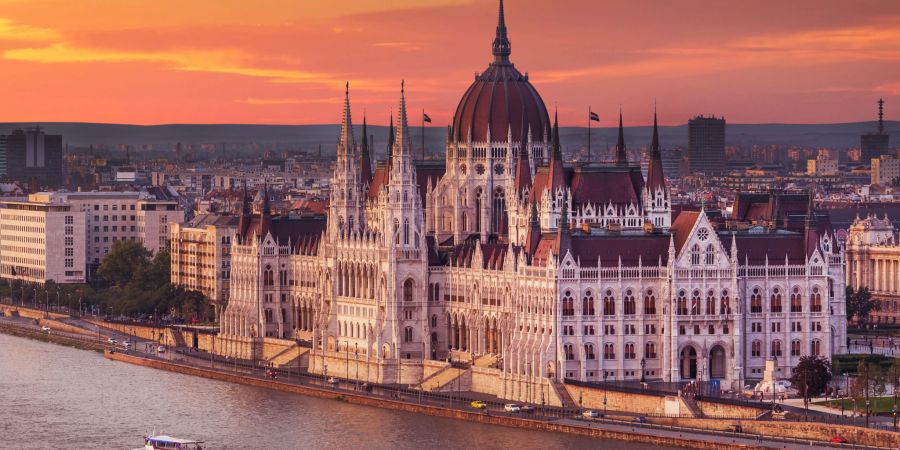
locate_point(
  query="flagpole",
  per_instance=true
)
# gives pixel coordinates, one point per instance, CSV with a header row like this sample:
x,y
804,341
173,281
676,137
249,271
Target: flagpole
x,y
423,134
589,134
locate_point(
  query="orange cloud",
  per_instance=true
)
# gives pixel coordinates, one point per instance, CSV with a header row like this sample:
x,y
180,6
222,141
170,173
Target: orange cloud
x,y
11,31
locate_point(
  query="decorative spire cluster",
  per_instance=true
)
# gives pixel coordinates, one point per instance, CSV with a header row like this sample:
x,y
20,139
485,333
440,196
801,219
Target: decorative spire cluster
x,y
621,153
501,46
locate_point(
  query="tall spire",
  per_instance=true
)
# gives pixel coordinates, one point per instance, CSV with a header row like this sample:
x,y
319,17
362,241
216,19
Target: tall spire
x,y
244,220
266,213
346,142
655,177
621,154
523,169
401,135
501,48
365,161
557,173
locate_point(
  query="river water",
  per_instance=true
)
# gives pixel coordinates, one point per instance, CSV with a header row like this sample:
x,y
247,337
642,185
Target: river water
x,y
54,397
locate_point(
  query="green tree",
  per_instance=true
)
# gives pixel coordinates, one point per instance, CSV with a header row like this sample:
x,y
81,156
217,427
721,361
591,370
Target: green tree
x,y
860,303
123,261
811,376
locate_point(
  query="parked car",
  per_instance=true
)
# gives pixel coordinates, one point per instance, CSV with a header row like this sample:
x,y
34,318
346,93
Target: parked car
x,y
526,409
839,439
112,341
333,380
161,349
590,414
478,404
45,328
512,407
640,419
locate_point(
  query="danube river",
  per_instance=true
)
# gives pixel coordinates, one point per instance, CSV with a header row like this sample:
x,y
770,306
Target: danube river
x,y
54,397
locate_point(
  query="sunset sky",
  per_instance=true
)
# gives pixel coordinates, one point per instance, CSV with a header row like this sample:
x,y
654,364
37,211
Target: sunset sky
x,y
285,62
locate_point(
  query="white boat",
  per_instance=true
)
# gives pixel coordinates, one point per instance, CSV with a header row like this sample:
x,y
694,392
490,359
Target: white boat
x,y
164,442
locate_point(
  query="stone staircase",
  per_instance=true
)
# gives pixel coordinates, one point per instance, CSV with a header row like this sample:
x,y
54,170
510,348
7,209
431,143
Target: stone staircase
x,y
693,407
444,377
562,393
288,356
485,361
178,336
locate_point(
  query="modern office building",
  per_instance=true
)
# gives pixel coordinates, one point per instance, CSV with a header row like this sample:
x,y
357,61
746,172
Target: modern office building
x,y
31,156
706,145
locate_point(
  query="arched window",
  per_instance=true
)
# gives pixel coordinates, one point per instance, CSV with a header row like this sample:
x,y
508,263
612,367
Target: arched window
x,y
710,303
478,210
406,231
589,352
795,347
776,348
755,301
568,306
710,255
629,305
756,349
609,351
775,300
695,303
408,334
609,304
796,300
815,347
695,255
408,290
434,321
649,302
498,215
587,304
629,351
681,303
725,306
650,350
396,231
569,351
815,300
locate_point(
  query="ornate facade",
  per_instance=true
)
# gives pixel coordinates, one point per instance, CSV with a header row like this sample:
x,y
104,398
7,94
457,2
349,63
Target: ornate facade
x,y
529,269
873,262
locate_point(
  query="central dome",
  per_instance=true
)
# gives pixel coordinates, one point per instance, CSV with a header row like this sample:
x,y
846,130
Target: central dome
x,y
500,99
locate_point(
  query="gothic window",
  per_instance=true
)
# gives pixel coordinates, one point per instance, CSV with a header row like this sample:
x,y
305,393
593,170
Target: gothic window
x,y
587,304
815,300
350,223
710,255
629,351
609,304
725,306
629,305
815,347
268,277
650,350
568,304
589,352
703,234
695,255
396,231
408,334
776,348
498,215
478,210
434,321
795,347
408,290
756,349
569,351
796,301
756,301
609,351
649,302
775,300
406,231
710,303
681,303
695,303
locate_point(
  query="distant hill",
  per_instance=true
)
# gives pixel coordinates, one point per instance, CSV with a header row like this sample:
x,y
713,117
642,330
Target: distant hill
x,y
309,137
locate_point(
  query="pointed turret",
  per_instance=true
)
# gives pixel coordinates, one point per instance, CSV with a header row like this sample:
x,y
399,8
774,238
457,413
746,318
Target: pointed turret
x,y
563,235
265,224
557,172
523,169
401,136
246,211
810,227
534,231
346,139
365,161
501,47
655,177
621,154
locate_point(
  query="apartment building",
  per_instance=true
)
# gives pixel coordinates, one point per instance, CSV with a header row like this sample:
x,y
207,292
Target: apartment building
x,y
201,255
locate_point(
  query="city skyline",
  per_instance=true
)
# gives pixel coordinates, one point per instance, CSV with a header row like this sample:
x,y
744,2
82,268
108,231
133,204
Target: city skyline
x,y
284,64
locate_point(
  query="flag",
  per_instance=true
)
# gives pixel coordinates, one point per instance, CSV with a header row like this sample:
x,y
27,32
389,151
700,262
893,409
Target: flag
x,y
594,116
426,118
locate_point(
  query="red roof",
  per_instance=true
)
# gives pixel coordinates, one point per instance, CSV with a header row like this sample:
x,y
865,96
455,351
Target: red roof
x,y
648,248
682,226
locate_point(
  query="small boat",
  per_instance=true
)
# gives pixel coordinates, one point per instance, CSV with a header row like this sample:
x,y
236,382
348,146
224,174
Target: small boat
x,y
163,442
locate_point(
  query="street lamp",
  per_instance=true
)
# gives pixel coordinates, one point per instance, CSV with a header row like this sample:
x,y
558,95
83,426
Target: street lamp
x,y
604,392
356,357
775,376
643,363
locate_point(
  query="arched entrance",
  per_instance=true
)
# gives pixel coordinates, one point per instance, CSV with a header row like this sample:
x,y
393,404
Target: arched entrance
x,y
717,362
688,363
